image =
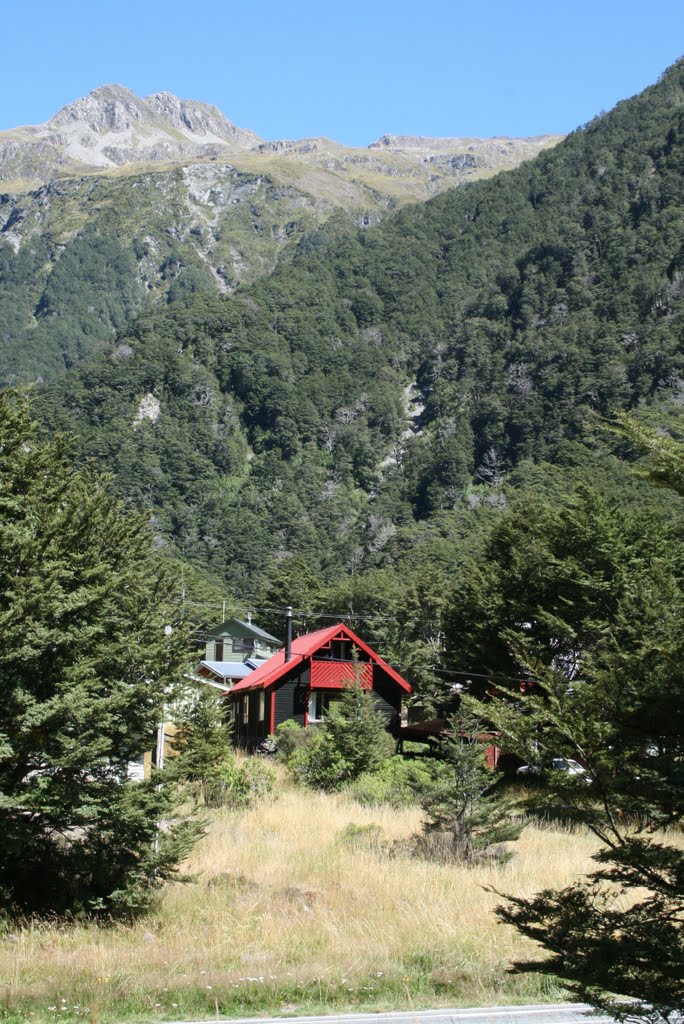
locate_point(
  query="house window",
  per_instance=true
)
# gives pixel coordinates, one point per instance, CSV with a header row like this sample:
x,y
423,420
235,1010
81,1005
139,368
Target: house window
x,y
341,650
243,645
245,710
336,650
319,703
262,706
218,650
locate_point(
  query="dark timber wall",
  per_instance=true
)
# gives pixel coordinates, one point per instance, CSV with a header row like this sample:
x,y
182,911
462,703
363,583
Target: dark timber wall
x,y
290,697
248,734
387,698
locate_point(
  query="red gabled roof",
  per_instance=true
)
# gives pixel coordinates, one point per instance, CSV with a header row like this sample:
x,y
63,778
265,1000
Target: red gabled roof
x,y
305,647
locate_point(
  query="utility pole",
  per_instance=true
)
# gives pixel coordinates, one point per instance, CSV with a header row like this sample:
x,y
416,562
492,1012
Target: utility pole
x,y
288,632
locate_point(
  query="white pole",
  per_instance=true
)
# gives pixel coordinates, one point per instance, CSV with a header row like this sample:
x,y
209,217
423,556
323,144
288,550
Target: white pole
x,y
159,760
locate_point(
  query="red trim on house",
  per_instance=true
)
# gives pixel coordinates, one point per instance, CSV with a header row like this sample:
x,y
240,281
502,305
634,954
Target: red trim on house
x,y
306,647
272,714
335,675
492,755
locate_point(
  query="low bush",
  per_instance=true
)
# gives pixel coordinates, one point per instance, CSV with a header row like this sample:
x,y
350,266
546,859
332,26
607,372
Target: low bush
x,y
238,785
396,782
290,737
351,741
363,837
317,763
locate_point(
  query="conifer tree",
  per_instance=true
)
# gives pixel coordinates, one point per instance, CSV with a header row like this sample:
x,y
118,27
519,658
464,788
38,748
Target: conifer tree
x,y
352,740
616,706
89,646
465,811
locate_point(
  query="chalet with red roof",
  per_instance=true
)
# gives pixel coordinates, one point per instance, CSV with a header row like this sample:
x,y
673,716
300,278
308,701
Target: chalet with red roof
x,y
300,681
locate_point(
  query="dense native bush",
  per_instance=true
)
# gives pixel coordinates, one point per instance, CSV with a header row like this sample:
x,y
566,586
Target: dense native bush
x,y
503,315
397,781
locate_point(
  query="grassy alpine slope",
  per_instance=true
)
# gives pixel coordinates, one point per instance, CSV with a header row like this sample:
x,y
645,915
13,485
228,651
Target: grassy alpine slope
x,y
290,908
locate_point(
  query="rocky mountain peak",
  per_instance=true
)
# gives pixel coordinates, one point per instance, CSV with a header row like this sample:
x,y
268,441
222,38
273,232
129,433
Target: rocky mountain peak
x,y
109,108
199,119
114,108
111,127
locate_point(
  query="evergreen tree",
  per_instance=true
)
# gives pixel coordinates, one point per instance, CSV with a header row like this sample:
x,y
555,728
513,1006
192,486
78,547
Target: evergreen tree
x,y
89,647
666,465
352,740
466,814
357,732
617,706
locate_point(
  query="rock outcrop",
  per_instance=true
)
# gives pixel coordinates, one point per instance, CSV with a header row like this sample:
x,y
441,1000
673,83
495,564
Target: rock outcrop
x,y
112,128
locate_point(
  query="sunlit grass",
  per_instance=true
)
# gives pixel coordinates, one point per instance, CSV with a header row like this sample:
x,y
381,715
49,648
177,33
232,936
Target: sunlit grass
x,y
284,911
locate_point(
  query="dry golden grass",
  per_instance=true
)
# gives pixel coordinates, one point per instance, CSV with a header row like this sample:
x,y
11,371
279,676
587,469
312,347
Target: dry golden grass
x,y
285,910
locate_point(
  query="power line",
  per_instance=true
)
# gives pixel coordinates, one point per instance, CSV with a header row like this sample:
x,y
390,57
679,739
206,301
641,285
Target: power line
x,y
480,675
297,613
344,616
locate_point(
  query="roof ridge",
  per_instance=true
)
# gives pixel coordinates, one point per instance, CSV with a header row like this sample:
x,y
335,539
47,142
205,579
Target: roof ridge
x,y
306,646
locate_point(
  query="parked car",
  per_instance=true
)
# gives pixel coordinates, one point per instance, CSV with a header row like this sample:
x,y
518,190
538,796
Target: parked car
x,y
557,764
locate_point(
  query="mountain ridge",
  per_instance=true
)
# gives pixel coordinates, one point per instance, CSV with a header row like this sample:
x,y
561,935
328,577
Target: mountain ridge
x,y
120,202
112,127
381,384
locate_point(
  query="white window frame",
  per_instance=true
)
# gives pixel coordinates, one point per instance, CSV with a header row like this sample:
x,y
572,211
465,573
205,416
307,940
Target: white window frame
x,y
245,710
312,706
262,706
314,696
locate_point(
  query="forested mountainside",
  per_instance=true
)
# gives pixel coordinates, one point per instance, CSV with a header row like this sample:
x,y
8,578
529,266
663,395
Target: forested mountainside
x,y
120,203
348,412
79,259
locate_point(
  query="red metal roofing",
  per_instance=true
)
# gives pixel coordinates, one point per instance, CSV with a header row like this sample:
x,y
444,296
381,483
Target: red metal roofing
x,y
305,647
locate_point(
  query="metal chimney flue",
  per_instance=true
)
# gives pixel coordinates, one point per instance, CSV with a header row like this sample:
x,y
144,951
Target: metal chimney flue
x,y
288,632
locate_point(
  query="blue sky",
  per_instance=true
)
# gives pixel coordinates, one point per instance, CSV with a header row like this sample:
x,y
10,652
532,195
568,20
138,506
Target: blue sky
x,y
352,70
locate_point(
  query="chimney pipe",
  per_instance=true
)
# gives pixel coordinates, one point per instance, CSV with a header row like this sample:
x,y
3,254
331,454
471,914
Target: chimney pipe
x,y
288,632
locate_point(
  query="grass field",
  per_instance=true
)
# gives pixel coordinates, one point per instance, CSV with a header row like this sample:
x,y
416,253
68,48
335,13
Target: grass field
x,y
290,910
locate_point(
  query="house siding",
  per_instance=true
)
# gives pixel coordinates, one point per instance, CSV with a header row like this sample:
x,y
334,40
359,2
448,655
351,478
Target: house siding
x,y
387,698
290,697
238,641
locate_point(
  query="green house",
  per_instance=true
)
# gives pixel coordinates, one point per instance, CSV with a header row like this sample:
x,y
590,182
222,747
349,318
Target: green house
x,y
235,640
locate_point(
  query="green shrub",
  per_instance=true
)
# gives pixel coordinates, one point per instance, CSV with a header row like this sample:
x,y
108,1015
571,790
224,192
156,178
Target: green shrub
x,y
352,740
396,782
290,737
238,786
317,763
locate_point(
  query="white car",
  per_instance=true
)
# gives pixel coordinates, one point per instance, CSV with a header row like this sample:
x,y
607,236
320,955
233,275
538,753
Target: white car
x,y
558,764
